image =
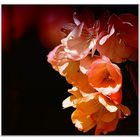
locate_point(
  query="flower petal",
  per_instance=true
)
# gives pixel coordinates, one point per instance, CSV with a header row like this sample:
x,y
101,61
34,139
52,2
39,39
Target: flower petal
x,y
109,106
116,97
104,127
104,76
88,104
126,111
62,68
76,21
77,48
68,102
75,91
75,77
76,32
105,38
85,64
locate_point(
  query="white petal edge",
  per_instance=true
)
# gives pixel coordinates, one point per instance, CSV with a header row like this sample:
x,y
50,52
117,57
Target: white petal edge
x,y
78,124
76,32
67,103
108,90
128,23
63,67
110,108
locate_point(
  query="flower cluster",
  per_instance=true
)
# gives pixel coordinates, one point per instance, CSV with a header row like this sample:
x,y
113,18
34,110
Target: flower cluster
x,y
87,57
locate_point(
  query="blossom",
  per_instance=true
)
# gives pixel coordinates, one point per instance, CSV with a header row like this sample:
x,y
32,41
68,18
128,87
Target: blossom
x,y
106,77
68,68
94,110
81,40
75,77
120,42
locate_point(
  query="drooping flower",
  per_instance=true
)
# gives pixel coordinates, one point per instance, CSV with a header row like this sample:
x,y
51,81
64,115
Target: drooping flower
x,y
120,42
94,110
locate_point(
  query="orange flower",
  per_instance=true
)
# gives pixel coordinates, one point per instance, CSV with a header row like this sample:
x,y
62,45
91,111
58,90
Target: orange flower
x,y
75,77
82,121
94,110
68,68
106,77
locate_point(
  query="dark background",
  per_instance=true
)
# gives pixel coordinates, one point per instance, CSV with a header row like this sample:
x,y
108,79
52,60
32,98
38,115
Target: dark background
x,y
32,92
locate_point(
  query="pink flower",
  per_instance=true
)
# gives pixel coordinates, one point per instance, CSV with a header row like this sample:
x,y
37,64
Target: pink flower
x,y
81,40
57,58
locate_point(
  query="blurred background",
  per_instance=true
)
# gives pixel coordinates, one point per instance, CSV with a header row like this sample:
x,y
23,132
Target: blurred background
x,y
32,92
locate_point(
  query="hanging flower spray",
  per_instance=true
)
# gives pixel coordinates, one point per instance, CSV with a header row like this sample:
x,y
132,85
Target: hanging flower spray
x,y
89,57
